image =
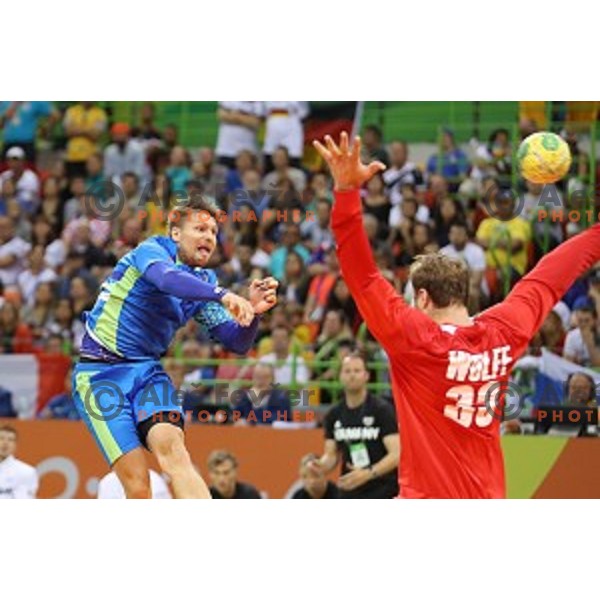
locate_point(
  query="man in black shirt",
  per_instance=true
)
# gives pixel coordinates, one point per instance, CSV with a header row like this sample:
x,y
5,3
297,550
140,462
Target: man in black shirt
x,y
361,431
222,469
315,485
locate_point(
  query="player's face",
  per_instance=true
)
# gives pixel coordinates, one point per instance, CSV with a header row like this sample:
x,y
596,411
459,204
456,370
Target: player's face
x,y
197,239
223,478
353,375
8,444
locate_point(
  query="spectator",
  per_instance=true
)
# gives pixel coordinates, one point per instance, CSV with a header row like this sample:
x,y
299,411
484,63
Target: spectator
x,y
222,470
18,480
123,155
335,333
15,336
147,130
582,345
451,162
209,176
581,390
234,180
317,229
27,183
284,127
81,295
170,136
110,488
8,194
84,124
20,121
130,186
238,126
179,172
38,312
37,273
361,432
341,301
62,324
373,145
52,206
87,230
130,238
319,188
472,255
494,158
409,209
75,206
444,215
505,237
376,201
315,485
61,406
290,240
294,285
282,170
13,251
401,172
320,288
290,368
262,404
20,219
550,336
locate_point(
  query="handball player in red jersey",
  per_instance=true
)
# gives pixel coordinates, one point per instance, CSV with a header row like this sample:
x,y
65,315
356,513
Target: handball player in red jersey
x,y
445,364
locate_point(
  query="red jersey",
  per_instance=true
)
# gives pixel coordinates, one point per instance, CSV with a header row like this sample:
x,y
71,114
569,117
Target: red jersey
x,y
450,442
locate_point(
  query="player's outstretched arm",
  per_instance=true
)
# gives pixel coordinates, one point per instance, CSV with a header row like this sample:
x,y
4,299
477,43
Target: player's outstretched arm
x,y
382,308
178,283
532,299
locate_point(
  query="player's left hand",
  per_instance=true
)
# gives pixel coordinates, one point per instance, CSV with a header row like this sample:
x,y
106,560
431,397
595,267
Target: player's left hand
x,y
263,294
348,172
355,478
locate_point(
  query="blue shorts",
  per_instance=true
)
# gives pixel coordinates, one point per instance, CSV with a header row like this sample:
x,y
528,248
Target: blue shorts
x,y
113,399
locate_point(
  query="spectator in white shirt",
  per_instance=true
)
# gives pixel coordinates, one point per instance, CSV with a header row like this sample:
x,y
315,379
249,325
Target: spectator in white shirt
x,y
37,273
582,345
26,182
18,480
289,368
110,488
472,255
13,252
284,128
239,122
124,154
400,172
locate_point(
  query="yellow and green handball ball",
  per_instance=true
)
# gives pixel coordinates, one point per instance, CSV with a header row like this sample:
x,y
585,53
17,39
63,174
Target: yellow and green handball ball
x,y
544,157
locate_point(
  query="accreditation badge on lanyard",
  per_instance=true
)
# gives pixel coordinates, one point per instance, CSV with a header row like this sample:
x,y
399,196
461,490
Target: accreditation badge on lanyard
x,y
359,455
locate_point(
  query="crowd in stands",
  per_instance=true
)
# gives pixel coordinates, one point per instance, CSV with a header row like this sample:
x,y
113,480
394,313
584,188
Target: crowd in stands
x,y
55,251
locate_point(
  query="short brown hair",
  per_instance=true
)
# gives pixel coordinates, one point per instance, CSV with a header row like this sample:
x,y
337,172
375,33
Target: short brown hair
x,y
9,429
445,279
218,457
196,203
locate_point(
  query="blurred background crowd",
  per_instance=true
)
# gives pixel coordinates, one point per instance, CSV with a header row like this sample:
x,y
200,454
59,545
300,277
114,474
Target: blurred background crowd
x,y
63,163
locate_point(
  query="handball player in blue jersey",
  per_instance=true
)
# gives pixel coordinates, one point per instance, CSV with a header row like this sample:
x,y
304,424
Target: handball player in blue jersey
x,y
122,392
